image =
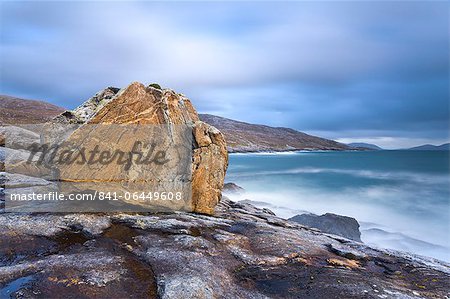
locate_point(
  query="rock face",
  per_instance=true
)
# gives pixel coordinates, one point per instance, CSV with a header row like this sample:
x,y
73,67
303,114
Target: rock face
x,y
245,137
343,226
241,252
141,105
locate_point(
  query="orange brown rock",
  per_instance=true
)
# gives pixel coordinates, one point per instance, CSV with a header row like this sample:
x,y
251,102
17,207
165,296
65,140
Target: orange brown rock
x,y
138,104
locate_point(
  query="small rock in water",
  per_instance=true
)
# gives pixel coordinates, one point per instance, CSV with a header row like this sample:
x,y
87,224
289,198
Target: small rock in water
x,y
232,188
343,226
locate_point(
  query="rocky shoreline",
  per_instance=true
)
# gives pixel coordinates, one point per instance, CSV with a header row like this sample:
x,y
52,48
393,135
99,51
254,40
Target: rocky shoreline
x,y
240,252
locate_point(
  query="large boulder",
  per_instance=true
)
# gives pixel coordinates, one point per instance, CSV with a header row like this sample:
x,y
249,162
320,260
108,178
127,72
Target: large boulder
x,y
146,105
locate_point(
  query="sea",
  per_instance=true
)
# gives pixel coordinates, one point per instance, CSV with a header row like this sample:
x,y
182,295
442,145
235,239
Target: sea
x,y
400,198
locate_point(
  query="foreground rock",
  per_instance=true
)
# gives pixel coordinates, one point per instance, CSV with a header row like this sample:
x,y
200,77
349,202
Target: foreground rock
x,y
242,252
343,226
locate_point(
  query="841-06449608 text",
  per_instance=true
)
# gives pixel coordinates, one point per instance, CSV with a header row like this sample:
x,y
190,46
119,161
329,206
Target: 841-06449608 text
x,y
100,196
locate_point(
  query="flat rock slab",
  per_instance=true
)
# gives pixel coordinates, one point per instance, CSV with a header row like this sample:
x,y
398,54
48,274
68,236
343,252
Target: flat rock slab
x,y
241,252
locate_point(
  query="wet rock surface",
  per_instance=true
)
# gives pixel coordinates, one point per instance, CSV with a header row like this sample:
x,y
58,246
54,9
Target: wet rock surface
x,y
241,252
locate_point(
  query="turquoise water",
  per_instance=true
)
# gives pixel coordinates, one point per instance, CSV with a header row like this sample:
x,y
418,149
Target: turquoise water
x,y
400,198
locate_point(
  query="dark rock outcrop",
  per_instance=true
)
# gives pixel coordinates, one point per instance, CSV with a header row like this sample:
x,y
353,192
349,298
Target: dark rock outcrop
x,y
343,226
232,188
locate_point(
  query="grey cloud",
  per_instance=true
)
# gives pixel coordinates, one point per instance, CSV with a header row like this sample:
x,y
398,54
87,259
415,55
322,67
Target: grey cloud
x,y
327,66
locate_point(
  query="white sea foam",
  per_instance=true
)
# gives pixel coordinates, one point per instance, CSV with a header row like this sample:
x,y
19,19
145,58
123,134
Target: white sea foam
x,y
382,175
405,195
367,205
268,153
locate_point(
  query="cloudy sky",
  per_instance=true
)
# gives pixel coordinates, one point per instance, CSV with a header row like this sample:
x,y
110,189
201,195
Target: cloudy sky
x,y
351,71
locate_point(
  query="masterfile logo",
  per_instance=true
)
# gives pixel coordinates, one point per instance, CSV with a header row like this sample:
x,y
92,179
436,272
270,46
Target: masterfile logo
x,y
100,168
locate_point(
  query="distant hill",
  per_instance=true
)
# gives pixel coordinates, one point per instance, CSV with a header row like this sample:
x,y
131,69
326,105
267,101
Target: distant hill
x,y
363,145
245,137
430,147
19,111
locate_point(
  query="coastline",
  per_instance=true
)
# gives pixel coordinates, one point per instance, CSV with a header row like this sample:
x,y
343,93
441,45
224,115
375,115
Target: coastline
x,y
294,151
374,188
263,152
365,229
